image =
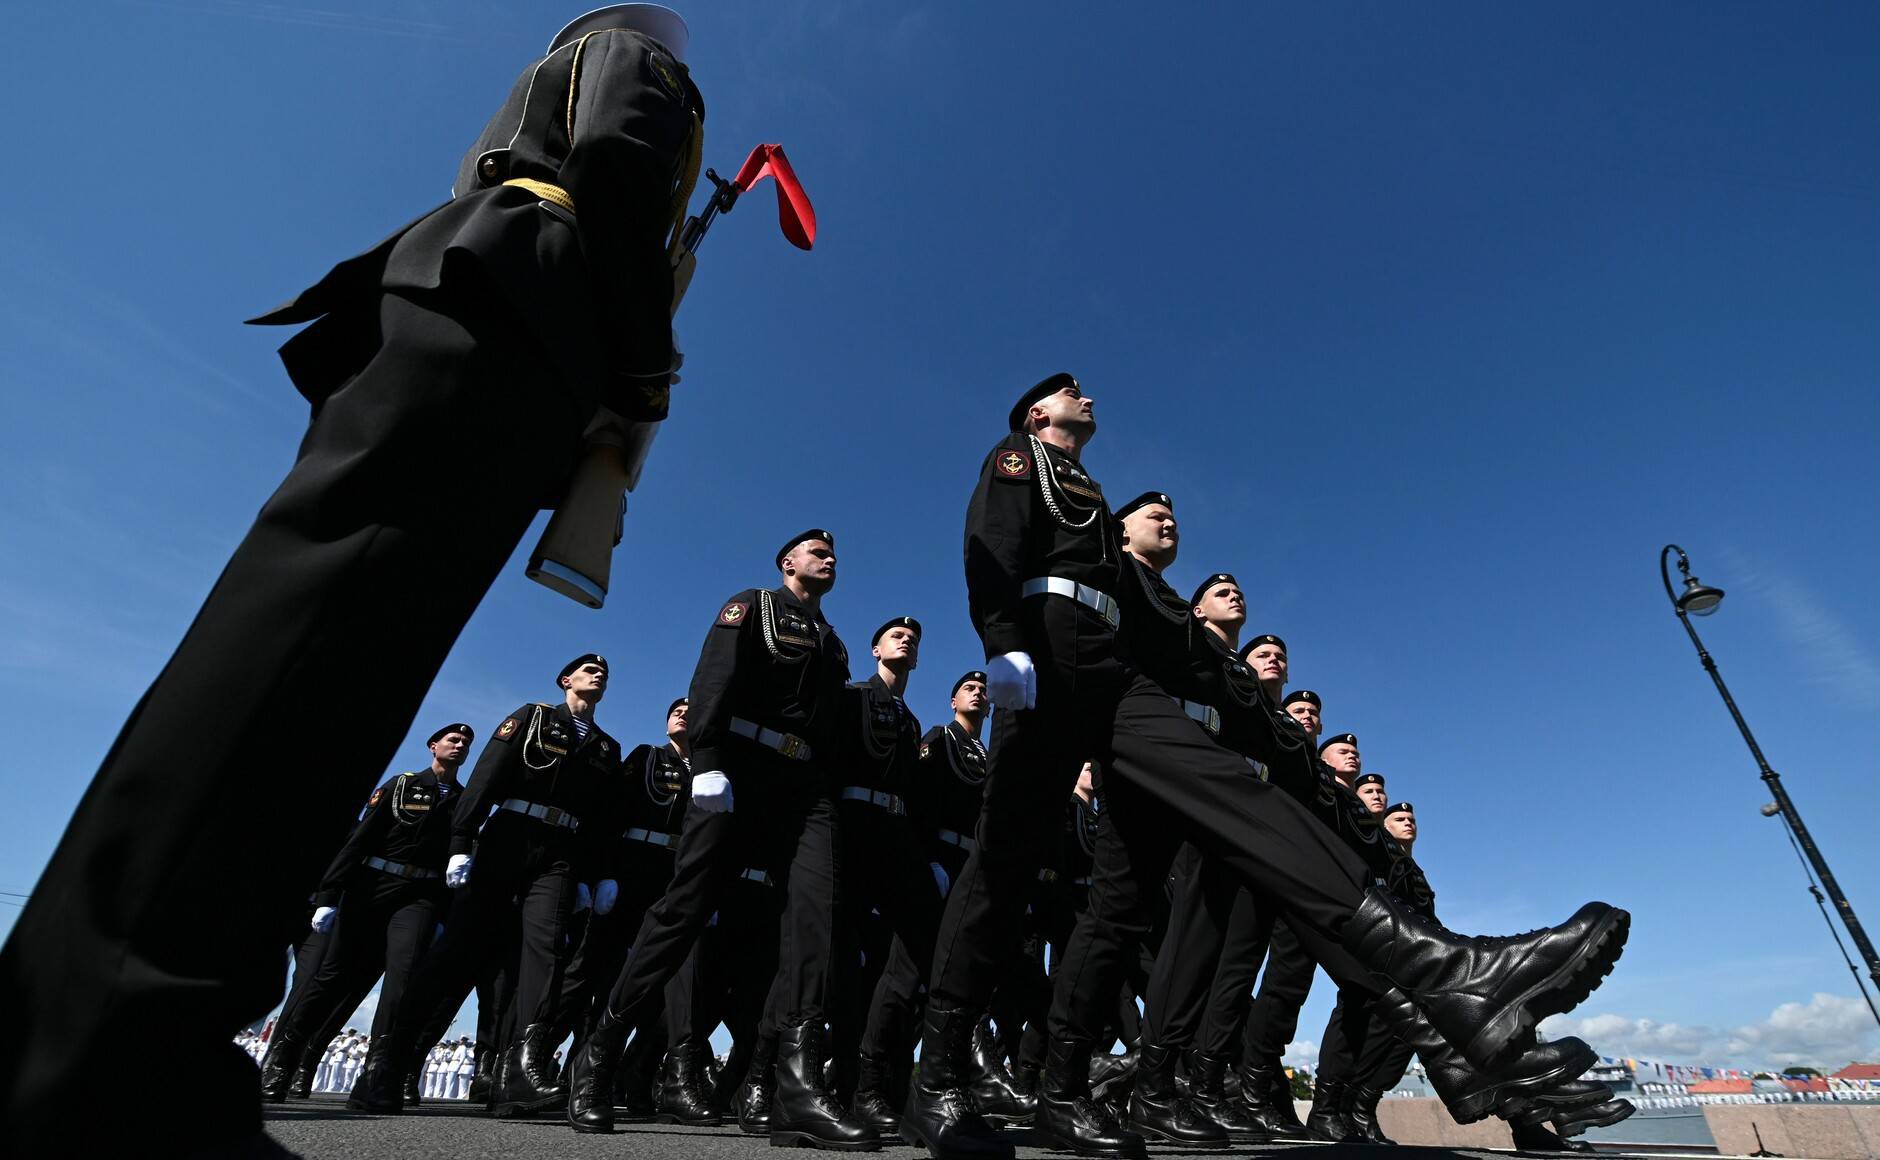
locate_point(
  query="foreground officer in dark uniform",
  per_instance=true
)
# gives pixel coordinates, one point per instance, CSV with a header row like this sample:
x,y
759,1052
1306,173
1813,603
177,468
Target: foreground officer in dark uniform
x,y
379,902
540,812
1042,564
452,370
765,721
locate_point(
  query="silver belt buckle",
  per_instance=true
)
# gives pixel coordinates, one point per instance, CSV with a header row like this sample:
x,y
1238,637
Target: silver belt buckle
x,y
792,746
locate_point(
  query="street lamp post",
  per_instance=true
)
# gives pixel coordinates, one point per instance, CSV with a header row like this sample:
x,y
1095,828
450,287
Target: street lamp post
x,y
1699,599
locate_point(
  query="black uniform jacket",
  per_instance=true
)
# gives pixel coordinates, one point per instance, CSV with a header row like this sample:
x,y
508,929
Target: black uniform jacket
x,y
536,755
770,660
1035,512
884,752
407,820
658,787
953,766
1407,882
610,121
1172,648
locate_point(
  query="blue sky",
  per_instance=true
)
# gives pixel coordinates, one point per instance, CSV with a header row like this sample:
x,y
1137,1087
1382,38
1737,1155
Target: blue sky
x,y
1436,321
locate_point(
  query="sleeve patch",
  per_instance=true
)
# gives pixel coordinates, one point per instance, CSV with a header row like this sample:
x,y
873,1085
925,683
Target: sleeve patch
x,y
376,795
1012,464
734,613
508,728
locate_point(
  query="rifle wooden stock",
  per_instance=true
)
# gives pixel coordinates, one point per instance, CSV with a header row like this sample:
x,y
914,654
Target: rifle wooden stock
x,y
575,554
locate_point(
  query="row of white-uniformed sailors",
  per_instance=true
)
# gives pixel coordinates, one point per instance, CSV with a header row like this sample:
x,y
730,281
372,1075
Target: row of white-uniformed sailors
x,y
448,1067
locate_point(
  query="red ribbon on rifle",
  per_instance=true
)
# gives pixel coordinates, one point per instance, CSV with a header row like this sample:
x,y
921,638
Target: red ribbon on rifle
x,y
794,212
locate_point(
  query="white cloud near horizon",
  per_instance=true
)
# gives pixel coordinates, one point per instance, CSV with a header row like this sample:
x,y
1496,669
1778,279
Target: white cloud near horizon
x,y
1827,1032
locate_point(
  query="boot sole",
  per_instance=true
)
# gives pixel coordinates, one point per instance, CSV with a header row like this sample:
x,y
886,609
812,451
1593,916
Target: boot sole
x,y
592,1129
1606,1120
786,1138
672,1118
1158,1137
1498,1096
1560,992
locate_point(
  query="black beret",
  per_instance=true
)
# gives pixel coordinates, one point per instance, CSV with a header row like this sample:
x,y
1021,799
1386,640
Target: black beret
x,y
1399,808
975,675
577,662
1256,642
1143,501
675,705
1368,778
790,544
469,734
1306,695
1217,578
1050,386
1350,739
897,622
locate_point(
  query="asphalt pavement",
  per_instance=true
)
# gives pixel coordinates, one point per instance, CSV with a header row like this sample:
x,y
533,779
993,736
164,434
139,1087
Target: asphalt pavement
x,y
322,1129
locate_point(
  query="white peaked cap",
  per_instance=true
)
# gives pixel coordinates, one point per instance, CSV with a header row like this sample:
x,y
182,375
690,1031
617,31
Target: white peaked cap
x,y
654,20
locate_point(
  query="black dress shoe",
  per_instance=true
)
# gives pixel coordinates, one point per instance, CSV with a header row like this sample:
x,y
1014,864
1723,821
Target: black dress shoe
x,y
1069,1118
940,1116
682,1098
1158,1110
1484,995
802,1111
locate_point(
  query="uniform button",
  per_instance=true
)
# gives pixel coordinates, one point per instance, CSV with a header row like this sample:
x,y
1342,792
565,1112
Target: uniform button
x,y
488,169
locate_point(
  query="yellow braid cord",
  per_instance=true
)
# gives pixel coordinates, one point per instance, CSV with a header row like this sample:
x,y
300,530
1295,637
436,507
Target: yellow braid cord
x,y
544,190
682,196
574,85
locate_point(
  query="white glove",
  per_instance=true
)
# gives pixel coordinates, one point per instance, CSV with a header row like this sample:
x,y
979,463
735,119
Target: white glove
x,y
583,897
606,893
457,872
711,792
941,878
1012,682
323,919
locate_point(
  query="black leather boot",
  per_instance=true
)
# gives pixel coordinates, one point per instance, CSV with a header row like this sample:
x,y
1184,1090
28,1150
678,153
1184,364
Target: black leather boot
x,y
940,1116
303,1079
591,1076
380,1086
1068,1117
412,1090
1573,1121
1158,1110
279,1065
1207,1091
802,1111
1326,1120
752,1101
479,1092
1471,1094
1361,1110
995,1094
1484,995
871,1104
529,1082
682,1097
1266,1094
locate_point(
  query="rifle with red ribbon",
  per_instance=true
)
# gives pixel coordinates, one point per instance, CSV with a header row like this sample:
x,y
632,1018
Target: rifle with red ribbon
x,y
575,554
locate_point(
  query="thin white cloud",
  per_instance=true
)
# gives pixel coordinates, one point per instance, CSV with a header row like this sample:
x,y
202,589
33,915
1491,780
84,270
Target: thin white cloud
x,y
1828,653
1827,1032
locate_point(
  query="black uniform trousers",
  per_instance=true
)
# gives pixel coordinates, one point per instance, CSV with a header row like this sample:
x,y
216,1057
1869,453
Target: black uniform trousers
x,y
1200,901
601,941
1058,907
414,483
728,976
783,820
1175,782
513,917
1244,945
382,928
1273,1016
1359,1049
884,870
307,958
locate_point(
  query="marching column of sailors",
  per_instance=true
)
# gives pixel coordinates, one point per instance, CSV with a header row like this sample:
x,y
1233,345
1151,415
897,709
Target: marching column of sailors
x,y
799,862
